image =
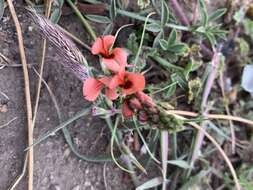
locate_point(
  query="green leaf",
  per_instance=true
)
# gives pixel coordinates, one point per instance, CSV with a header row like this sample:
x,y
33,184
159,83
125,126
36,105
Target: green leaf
x,y
178,48
1,8
179,78
157,38
153,27
195,180
99,19
193,65
56,15
217,14
203,13
150,183
164,63
180,163
165,13
210,37
173,37
113,10
171,90
244,46
82,113
239,15
108,29
164,44
248,27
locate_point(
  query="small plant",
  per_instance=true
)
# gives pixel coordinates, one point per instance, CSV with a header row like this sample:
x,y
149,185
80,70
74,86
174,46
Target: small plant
x,y
139,87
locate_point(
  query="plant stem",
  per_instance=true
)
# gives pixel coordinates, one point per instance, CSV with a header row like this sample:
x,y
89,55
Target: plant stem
x,y
27,92
141,18
209,84
179,12
83,20
164,152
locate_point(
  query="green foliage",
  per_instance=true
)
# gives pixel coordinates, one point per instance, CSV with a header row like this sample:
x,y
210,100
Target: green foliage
x,y
206,28
99,19
248,27
194,86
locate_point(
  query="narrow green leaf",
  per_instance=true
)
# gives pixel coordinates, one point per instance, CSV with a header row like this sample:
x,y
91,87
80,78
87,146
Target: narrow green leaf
x,y
108,29
217,14
113,10
164,44
164,63
153,27
55,16
157,38
99,19
203,12
150,183
195,180
180,163
1,8
82,113
173,37
165,13
178,48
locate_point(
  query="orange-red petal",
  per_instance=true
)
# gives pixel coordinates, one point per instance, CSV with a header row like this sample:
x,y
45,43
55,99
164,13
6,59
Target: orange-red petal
x,y
111,94
126,111
91,89
115,82
111,64
102,45
120,55
137,83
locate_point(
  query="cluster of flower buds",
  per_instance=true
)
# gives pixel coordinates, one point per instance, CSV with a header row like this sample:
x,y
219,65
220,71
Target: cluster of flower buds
x,y
129,85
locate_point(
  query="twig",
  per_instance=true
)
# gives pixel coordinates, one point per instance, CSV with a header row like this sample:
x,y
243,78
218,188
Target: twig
x,y
218,147
164,152
8,123
104,176
27,92
44,45
18,179
179,12
204,110
212,116
83,20
237,184
232,128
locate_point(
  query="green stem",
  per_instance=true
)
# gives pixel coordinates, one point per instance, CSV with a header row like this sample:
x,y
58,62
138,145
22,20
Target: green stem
x,y
141,18
83,20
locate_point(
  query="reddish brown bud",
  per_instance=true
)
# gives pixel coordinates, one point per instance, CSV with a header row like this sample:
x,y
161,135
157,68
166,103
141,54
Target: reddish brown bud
x,y
135,103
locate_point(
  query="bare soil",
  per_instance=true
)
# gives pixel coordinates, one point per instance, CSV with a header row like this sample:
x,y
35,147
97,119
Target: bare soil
x,y
56,167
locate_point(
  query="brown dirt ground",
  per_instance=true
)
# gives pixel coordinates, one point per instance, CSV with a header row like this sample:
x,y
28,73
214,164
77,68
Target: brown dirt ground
x,y
55,166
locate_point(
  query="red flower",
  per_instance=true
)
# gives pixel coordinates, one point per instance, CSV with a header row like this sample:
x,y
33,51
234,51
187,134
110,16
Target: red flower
x,y
92,88
114,59
128,83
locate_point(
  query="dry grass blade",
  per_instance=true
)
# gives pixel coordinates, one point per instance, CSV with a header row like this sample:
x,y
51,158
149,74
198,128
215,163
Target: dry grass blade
x,y
212,116
8,123
27,92
48,9
18,179
199,128
71,56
